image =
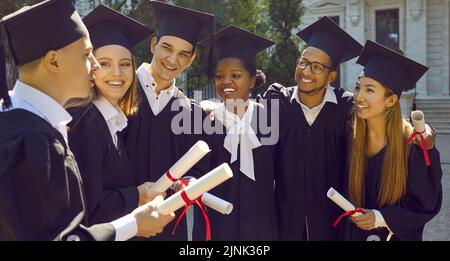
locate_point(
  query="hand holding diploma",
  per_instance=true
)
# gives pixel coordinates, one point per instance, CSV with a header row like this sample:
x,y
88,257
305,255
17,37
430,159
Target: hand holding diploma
x,y
365,221
149,221
363,218
196,189
342,202
422,134
146,194
190,194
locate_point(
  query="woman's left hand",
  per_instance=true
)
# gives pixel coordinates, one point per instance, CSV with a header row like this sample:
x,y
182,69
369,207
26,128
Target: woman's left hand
x,y
429,139
365,221
146,194
208,107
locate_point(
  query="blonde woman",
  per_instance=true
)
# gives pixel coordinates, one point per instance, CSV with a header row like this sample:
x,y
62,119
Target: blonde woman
x,y
95,134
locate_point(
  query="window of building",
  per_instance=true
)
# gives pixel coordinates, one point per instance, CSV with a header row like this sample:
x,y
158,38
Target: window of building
x,y
387,28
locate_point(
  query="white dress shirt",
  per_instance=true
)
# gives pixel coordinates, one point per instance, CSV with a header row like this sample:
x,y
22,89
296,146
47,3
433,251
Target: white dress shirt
x,y
24,96
114,117
148,83
126,228
239,131
312,113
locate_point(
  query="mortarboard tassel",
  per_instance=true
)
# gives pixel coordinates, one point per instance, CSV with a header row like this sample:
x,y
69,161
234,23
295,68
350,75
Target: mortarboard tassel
x,y
210,60
3,84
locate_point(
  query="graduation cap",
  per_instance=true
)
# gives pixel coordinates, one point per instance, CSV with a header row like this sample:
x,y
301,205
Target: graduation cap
x,y
107,26
234,42
34,30
327,36
185,23
392,69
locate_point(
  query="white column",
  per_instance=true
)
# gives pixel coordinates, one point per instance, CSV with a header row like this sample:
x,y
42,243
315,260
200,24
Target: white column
x,y
416,37
446,50
354,25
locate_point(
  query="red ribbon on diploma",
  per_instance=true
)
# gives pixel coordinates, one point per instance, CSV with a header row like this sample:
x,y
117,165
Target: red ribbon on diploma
x,y
170,177
348,213
424,146
189,203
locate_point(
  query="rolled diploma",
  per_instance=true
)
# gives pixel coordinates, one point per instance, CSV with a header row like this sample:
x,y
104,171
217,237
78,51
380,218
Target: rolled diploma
x,y
185,163
418,121
217,203
341,201
193,191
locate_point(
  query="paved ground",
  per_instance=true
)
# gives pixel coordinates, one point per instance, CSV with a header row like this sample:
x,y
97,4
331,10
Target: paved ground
x,y
438,229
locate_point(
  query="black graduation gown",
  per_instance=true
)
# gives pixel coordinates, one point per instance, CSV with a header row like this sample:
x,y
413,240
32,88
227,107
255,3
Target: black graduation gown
x,y
106,171
421,203
41,193
153,147
254,214
312,159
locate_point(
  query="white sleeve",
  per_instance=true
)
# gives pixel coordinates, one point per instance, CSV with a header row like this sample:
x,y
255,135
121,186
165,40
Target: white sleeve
x,y
379,220
126,228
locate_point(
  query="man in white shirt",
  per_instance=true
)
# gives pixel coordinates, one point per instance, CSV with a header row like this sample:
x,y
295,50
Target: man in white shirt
x,y
313,138
152,139
41,193
314,145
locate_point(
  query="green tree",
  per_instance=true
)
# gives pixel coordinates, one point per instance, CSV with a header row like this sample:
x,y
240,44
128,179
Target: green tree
x,y
252,16
142,11
284,18
248,14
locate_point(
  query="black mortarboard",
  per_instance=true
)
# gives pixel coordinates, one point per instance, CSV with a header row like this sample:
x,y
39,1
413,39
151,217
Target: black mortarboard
x,y
395,71
34,30
235,42
107,26
327,36
190,25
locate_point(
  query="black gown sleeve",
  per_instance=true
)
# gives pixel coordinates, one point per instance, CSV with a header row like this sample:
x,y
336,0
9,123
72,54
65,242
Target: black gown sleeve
x,y
99,232
40,198
423,198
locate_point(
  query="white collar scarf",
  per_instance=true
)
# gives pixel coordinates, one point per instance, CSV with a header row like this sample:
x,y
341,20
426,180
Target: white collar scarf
x,y
239,131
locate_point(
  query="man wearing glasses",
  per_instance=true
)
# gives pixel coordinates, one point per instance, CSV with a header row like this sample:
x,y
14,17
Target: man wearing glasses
x,y
313,139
